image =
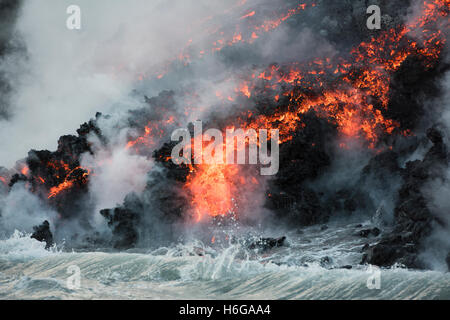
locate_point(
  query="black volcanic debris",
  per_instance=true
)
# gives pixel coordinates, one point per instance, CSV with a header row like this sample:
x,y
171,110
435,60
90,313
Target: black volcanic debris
x,y
123,223
174,172
266,244
148,219
165,197
411,86
50,173
53,169
413,218
301,160
42,233
17,178
365,233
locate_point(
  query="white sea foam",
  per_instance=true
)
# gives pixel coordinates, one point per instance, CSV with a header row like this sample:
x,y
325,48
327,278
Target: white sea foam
x,y
198,271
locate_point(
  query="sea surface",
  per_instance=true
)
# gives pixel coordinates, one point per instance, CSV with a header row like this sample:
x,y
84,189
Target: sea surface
x,y
314,264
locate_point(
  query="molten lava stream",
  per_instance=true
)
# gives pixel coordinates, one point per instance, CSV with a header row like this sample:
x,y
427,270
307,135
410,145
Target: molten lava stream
x,y
61,187
213,190
69,181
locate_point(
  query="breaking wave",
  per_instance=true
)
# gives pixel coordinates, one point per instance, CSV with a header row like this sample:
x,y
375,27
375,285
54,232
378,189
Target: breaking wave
x,y
197,271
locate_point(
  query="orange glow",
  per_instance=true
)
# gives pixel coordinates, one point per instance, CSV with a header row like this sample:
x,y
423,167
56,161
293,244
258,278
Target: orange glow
x,y
59,165
151,132
273,24
61,187
251,14
245,90
351,93
256,31
212,188
353,101
249,35
348,104
347,108
25,170
67,183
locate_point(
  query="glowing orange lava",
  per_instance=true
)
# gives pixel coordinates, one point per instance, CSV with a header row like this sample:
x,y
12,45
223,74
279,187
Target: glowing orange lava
x,y
25,170
212,190
349,101
68,182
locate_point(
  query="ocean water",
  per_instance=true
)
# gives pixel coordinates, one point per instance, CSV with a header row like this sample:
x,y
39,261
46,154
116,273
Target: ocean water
x,y
309,267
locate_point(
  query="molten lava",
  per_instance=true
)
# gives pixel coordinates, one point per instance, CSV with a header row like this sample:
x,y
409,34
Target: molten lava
x,y
352,93
344,92
78,174
25,170
212,188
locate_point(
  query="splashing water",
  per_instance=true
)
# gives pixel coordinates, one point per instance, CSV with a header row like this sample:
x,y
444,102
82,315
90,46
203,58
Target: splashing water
x,y
200,271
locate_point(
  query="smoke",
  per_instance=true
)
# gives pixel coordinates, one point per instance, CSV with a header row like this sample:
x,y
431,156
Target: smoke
x,y
21,210
62,77
65,76
8,15
437,245
117,173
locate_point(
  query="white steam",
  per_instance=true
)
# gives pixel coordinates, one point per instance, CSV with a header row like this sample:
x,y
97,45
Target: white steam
x,y
65,76
117,173
21,210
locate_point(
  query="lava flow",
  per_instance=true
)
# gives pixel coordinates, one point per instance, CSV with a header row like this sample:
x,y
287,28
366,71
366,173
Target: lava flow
x,y
213,191
252,30
77,175
352,94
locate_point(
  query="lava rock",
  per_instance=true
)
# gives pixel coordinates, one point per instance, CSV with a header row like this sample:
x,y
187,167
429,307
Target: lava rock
x,y
42,233
349,200
382,164
348,267
387,254
17,178
302,158
410,81
369,232
365,247
304,207
413,217
123,223
266,244
326,262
